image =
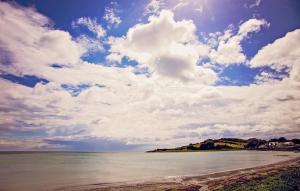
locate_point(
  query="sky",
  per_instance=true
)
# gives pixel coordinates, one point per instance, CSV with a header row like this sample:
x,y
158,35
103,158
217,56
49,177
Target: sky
x,y
105,75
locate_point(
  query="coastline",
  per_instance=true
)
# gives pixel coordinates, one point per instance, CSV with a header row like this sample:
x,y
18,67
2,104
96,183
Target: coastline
x,y
212,181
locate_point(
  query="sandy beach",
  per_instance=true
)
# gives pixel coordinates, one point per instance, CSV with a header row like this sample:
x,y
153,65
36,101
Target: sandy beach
x,y
212,181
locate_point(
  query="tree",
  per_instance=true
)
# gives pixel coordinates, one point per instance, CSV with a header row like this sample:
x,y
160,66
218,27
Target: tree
x,y
191,147
296,141
207,145
282,139
255,143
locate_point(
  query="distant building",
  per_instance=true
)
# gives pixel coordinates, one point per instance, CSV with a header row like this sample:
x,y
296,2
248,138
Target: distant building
x,y
289,143
273,145
263,147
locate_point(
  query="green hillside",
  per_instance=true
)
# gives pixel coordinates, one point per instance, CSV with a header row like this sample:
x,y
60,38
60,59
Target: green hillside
x,y
236,144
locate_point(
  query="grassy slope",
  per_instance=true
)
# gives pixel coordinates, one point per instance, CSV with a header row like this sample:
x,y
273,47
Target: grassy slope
x,y
230,145
225,144
284,181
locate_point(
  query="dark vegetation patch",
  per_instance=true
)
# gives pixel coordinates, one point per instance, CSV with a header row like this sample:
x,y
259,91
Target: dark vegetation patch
x,y
288,180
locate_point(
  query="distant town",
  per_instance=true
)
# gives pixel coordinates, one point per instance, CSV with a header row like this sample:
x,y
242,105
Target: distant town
x,y
280,144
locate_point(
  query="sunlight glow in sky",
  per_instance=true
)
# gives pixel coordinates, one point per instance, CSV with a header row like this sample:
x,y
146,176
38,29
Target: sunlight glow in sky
x,y
133,75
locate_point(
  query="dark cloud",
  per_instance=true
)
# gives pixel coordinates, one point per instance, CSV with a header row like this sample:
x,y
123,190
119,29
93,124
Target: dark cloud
x,y
286,98
198,126
186,135
5,56
95,144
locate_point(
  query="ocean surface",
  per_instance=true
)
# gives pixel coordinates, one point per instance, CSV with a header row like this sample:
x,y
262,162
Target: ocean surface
x,y
47,171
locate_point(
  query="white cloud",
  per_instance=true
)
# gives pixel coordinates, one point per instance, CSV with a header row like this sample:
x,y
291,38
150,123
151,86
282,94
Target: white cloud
x,y
153,7
197,6
199,9
229,50
180,5
252,4
267,77
31,46
120,105
91,45
172,52
110,15
92,25
252,25
283,52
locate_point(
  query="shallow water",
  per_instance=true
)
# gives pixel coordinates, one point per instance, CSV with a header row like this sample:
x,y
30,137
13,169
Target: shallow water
x,y
46,171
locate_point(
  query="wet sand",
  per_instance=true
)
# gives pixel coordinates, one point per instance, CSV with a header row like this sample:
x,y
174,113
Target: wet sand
x,y
195,183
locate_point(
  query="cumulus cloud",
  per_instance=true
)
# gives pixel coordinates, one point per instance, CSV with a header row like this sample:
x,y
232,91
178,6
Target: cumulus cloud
x,y
266,77
120,109
252,25
172,52
91,45
229,49
282,56
27,37
35,47
283,53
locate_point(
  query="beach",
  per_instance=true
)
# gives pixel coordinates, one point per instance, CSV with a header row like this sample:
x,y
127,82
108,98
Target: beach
x,y
214,181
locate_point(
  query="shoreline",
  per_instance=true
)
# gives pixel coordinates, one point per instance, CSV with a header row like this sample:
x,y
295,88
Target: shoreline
x,y
211,181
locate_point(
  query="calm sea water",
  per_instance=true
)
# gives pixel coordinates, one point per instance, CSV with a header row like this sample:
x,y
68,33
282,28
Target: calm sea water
x,y
46,171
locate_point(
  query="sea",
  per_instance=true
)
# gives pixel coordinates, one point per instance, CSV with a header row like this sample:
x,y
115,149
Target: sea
x,y
53,170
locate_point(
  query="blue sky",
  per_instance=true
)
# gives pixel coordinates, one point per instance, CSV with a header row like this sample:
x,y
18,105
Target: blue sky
x,y
123,75
217,17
